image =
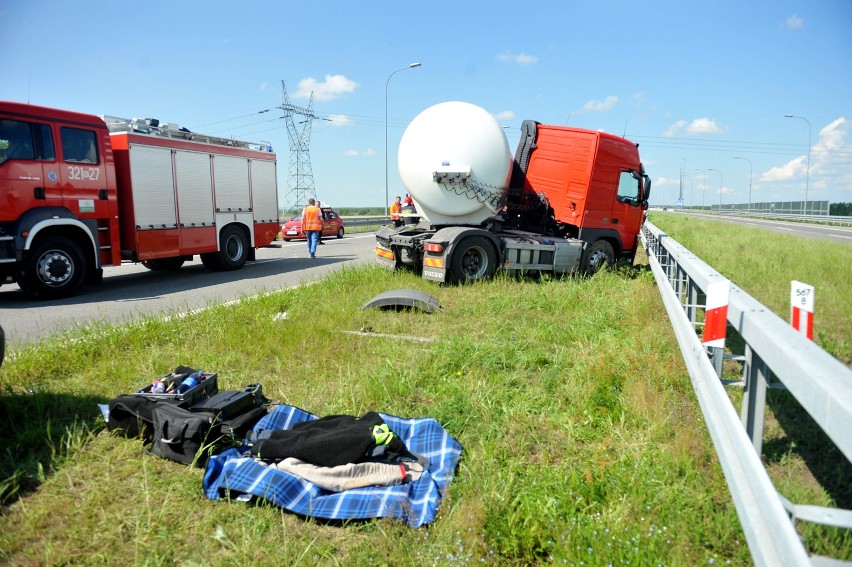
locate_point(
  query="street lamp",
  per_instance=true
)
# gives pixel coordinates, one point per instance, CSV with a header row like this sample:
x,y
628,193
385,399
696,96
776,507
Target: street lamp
x,y
387,199
749,180
703,185
720,186
808,170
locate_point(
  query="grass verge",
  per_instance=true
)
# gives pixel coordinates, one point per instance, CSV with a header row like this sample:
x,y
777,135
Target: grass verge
x,y
582,440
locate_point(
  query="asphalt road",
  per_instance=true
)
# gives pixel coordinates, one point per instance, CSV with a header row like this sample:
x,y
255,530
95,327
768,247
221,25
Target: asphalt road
x,y
804,230
131,291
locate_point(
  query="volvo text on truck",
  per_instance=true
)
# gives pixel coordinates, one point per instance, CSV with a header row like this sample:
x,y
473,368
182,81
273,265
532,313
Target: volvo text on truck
x,y
79,192
570,200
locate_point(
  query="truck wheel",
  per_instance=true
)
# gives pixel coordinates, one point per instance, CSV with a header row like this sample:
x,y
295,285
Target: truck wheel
x,y
473,259
233,251
598,256
340,232
164,264
53,268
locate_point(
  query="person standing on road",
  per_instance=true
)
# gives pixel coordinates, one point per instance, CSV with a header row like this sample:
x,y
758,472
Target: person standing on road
x,y
395,210
312,225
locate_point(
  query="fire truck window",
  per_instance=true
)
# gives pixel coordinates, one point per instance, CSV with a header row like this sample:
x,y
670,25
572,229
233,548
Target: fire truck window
x,y
44,136
78,145
628,187
16,140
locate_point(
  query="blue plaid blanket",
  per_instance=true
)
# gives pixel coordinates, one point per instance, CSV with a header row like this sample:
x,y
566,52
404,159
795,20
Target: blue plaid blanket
x,y
232,473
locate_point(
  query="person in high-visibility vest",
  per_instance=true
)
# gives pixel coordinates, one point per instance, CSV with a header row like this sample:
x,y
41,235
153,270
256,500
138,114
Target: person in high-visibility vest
x,y
395,210
312,225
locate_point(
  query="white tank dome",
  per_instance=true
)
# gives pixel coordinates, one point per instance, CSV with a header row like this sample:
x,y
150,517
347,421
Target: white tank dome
x,y
455,137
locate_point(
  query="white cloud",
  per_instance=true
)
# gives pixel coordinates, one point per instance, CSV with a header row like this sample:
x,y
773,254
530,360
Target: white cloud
x,y
339,120
674,129
787,171
703,126
697,126
831,164
334,86
355,153
521,59
505,115
663,181
601,106
263,86
794,22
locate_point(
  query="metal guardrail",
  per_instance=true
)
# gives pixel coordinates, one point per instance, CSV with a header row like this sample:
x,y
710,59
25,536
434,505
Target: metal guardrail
x,y
365,221
818,381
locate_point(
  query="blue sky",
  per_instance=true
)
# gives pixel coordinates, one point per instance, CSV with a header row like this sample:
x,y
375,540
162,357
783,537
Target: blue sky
x,y
694,83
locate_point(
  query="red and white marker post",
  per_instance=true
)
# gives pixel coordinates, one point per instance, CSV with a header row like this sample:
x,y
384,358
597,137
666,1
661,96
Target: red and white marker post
x,y
802,308
716,314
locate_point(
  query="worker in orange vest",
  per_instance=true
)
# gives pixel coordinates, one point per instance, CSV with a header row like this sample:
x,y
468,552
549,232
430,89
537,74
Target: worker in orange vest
x,y
395,210
312,225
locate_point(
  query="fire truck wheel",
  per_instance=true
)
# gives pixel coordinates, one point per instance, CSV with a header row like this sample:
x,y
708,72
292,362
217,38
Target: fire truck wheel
x,y
598,256
233,251
473,259
163,264
53,268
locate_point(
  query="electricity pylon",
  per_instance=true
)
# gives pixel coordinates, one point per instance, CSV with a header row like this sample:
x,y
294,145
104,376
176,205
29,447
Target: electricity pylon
x,y
300,179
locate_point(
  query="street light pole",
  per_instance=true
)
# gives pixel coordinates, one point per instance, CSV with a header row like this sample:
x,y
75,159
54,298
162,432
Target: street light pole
x,y
720,186
750,170
808,170
387,199
703,185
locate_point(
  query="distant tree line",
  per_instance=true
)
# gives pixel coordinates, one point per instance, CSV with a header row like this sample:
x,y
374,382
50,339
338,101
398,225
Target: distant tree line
x,y
360,211
840,209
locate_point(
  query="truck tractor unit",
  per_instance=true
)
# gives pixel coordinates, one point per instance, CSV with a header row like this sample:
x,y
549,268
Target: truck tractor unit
x,y
570,200
79,192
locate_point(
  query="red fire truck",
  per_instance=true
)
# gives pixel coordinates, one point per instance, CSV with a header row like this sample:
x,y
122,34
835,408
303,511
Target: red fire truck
x,y
79,192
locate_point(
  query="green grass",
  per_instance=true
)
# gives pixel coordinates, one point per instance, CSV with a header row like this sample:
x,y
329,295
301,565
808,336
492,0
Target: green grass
x,y
763,263
583,442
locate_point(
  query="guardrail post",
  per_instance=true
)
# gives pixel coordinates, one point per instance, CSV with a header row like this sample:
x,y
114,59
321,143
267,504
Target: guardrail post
x,y
753,413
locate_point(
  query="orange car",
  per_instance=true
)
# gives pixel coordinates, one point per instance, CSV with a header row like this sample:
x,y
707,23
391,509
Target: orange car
x,y
332,225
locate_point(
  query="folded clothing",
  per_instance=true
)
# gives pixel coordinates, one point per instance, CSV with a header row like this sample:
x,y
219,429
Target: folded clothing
x,y
328,441
352,475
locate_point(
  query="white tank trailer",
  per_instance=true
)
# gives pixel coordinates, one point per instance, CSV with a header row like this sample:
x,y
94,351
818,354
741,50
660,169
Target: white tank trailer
x,y
455,162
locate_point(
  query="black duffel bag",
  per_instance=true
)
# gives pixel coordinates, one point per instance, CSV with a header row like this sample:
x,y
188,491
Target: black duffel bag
x,y
184,436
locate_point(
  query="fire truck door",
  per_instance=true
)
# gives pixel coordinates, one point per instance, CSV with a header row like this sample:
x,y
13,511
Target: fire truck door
x,y
82,172
26,160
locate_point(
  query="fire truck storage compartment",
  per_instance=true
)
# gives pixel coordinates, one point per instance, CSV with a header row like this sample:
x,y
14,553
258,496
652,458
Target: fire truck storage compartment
x,y
231,175
264,191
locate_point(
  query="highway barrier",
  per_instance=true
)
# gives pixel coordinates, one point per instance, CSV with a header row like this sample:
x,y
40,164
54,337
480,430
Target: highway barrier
x,y
775,356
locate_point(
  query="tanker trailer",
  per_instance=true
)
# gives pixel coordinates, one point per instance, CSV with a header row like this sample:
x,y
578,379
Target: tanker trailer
x,y
554,208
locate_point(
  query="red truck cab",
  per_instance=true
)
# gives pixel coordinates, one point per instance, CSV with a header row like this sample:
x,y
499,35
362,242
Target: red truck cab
x,y
594,184
57,183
